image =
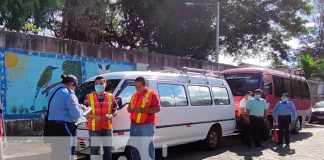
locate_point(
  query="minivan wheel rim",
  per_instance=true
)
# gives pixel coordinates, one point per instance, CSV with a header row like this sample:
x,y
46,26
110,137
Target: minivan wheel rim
x,y
213,139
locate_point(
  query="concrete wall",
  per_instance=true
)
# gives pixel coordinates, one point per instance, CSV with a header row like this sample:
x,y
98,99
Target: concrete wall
x,y
13,40
23,59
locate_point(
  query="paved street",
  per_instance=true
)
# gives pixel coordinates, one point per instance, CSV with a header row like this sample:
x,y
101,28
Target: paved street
x,y
308,145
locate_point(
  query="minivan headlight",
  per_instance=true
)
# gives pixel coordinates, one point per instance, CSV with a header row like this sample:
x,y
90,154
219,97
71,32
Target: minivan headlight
x,y
82,126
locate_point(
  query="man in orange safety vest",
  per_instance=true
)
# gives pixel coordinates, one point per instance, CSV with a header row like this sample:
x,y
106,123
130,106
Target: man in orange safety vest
x,y
103,109
143,107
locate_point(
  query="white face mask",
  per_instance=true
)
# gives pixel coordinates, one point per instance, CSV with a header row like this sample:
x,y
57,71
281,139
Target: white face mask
x,y
257,96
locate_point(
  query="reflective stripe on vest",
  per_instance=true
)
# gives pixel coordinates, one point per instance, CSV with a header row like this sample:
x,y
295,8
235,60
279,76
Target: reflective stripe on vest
x,y
109,110
93,121
139,117
94,105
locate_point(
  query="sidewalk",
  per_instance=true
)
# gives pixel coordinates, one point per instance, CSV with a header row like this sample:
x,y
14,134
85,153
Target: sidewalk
x,y
26,148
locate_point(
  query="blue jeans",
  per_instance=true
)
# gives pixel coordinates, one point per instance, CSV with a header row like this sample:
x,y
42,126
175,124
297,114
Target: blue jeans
x,y
142,141
104,137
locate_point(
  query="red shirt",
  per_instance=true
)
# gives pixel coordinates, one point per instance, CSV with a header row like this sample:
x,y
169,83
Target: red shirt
x,y
152,117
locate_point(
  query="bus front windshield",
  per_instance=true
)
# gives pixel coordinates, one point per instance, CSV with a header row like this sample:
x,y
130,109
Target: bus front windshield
x,y
242,82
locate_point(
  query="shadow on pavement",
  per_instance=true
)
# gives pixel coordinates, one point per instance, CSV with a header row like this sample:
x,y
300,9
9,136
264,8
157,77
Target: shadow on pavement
x,y
301,136
283,151
315,125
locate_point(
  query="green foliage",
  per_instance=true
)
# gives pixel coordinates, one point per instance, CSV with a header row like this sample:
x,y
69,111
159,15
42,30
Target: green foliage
x,y
313,69
166,26
320,69
14,109
308,65
14,13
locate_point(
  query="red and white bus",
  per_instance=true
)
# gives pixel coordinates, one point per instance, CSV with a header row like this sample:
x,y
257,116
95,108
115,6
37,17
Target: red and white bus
x,y
273,83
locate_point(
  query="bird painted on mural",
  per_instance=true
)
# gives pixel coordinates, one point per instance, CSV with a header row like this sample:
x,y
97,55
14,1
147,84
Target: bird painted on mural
x,y
103,68
43,81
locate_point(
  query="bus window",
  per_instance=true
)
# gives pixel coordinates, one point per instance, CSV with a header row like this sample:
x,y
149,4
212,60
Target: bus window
x,y
200,96
296,89
288,87
279,86
241,83
305,90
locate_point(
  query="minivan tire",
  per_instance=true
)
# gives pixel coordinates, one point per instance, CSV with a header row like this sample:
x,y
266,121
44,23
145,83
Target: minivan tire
x,y
213,138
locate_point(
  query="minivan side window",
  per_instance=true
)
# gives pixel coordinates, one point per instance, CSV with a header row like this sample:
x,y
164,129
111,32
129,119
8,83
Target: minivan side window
x,y
200,96
172,95
220,96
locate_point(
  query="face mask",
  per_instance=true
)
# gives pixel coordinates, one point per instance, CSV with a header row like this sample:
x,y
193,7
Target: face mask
x,y
257,96
249,97
284,99
99,88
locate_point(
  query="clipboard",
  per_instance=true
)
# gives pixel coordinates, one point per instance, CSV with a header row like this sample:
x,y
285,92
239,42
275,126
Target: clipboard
x,y
88,110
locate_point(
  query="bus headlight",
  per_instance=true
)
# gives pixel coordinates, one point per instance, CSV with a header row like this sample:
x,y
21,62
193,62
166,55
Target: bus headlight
x,y
82,126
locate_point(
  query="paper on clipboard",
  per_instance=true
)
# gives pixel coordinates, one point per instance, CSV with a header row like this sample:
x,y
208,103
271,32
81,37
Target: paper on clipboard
x,y
88,109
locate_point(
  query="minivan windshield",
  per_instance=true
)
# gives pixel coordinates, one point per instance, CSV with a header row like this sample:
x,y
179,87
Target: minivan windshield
x,y
88,87
240,83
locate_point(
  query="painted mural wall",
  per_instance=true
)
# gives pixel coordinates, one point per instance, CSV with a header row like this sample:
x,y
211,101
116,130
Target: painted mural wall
x,y
27,76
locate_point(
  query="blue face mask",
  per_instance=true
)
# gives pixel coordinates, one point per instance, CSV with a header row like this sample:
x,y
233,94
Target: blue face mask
x,y
99,88
257,96
284,99
249,97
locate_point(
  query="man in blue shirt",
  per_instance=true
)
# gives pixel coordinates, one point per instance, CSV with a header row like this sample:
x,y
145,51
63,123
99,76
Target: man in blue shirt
x,y
285,113
63,112
256,112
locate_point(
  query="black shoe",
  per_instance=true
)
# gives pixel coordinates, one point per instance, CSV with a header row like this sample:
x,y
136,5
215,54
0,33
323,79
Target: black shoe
x,y
260,145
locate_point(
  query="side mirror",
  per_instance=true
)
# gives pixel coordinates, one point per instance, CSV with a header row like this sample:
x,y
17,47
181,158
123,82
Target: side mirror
x,y
266,90
119,102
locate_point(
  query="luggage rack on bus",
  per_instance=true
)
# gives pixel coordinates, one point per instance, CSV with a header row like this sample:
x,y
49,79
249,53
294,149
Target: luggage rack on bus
x,y
196,71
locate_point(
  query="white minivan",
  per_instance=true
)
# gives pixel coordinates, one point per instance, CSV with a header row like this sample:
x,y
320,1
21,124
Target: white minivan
x,y
196,105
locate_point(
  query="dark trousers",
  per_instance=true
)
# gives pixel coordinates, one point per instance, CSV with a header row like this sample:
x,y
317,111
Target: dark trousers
x,y
103,137
246,132
61,137
283,124
256,126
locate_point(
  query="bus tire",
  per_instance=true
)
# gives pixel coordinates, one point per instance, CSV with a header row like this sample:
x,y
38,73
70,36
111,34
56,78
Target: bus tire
x,y
213,138
297,127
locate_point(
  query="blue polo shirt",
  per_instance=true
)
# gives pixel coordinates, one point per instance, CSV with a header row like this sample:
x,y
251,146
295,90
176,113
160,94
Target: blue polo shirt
x,y
284,109
64,105
256,106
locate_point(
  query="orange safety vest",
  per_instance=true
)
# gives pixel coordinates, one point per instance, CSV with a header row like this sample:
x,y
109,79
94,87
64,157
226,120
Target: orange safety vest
x,y
100,110
146,101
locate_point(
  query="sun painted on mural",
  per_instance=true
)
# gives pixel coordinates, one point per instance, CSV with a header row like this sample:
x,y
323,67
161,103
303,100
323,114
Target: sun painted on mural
x,y
17,65
31,76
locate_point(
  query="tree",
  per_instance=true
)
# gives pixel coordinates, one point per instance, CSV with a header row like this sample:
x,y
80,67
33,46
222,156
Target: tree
x,y
308,65
313,41
14,13
313,69
250,27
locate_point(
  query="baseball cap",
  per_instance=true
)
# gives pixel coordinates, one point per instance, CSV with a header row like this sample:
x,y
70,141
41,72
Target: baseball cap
x,y
285,95
71,78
